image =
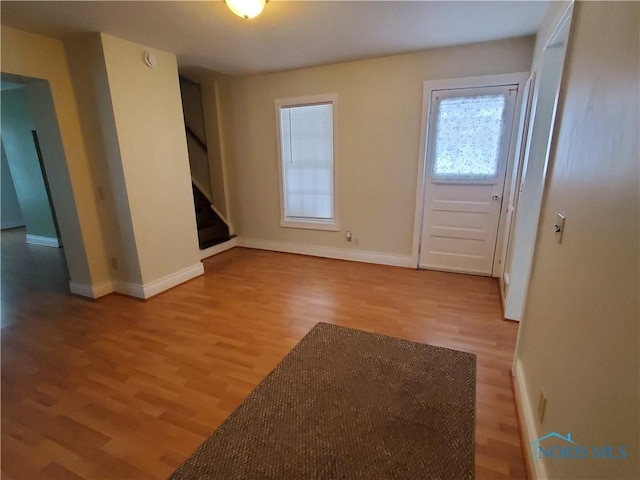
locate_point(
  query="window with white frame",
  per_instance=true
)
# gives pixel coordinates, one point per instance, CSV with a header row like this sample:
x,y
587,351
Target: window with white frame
x,y
306,131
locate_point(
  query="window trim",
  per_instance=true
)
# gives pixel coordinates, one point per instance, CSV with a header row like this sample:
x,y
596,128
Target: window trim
x,y
310,224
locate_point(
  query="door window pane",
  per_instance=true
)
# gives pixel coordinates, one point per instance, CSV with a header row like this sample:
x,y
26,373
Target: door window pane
x,y
468,138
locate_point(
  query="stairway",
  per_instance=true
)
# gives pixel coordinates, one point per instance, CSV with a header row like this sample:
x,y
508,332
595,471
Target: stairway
x,y
211,228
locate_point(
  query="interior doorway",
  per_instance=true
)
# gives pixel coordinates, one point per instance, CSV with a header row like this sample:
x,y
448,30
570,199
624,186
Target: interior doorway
x,y
32,257
521,242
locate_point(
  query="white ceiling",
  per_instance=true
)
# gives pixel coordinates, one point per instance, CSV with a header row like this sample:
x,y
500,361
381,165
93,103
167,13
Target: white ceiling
x,y
287,34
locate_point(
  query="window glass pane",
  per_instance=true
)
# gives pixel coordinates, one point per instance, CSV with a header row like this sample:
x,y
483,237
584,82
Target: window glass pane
x,y
468,138
307,157
311,134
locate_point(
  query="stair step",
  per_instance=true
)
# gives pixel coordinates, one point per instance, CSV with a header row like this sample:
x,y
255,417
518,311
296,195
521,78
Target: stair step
x,y
215,241
211,229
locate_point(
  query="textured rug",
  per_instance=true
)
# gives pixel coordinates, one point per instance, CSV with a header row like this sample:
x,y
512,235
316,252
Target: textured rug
x,y
347,404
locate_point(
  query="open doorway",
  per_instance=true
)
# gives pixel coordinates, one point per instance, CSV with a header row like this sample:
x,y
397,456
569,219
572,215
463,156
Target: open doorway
x,y
534,164
32,257
205,162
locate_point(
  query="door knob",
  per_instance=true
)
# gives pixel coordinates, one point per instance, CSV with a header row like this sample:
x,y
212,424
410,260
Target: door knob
x,y
495,198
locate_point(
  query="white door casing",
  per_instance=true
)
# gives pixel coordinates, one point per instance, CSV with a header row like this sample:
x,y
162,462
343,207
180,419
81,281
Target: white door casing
x,y
514,185
458,219
535,164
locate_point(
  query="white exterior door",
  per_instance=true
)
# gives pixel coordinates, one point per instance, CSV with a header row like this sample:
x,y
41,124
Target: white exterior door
x,y
468,136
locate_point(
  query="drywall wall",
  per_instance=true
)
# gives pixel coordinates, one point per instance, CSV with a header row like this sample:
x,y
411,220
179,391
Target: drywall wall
x,y
72,189
580,331
24,164
86,62
11,215
150,130
376,146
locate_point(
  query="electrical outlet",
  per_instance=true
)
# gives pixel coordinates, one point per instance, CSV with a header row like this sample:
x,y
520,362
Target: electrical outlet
x,y
542,406
349,236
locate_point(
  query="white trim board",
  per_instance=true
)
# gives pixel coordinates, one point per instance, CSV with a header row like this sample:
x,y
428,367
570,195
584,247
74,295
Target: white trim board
x,y
130,289
311,224
330,252
91,291
535,468
160,285
135,289
43,241
216,249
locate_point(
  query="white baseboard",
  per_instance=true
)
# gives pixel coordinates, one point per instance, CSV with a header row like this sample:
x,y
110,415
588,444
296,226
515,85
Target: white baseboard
x,y
437,268
160,285
535,468
91,291
135,289
44,241
216,249
330,252
130,289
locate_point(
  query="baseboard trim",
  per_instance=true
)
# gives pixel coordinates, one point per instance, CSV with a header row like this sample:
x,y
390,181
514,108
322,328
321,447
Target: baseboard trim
x,y
43,241
436,268
330,252
535,468
130,289
91,291
216,249
160,285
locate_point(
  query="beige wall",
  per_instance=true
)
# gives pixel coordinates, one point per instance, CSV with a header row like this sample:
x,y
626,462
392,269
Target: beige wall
x,y
73,191
91,85
579,338
377,140
150,129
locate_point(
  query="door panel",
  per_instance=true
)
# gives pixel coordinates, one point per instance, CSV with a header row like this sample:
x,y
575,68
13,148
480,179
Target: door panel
x,y
469,131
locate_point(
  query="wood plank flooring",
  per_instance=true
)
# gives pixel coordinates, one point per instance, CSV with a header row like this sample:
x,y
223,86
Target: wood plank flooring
x,y
120,388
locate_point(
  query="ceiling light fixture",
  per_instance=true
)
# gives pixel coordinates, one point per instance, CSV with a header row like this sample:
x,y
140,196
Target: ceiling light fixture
x,y
246,8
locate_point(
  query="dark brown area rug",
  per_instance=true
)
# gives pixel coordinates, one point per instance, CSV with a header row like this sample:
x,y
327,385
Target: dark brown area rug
x,y
347,404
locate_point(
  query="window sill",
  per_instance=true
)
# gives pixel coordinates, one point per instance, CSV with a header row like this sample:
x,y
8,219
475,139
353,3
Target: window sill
x,y
311,225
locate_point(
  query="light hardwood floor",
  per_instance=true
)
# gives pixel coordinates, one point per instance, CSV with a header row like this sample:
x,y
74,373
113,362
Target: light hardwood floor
x,y
119,388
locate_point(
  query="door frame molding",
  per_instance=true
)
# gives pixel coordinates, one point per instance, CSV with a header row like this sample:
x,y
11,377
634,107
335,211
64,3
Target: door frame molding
x,y
518,78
